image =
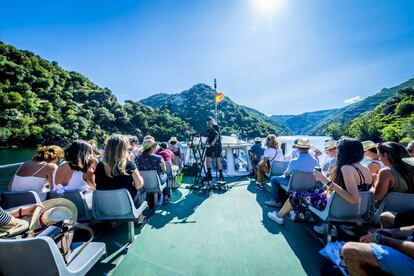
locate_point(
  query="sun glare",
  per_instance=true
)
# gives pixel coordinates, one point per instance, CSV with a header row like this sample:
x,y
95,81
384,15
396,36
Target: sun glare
x,y
267,7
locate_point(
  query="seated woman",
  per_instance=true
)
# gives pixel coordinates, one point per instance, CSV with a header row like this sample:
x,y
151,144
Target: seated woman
x,y
149,161
116,171
77,172
348,178
272,153
396,176
178,153
371,153
168,157
35,174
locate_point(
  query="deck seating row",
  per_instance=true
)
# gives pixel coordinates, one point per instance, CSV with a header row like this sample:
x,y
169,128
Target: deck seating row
x,y
339,210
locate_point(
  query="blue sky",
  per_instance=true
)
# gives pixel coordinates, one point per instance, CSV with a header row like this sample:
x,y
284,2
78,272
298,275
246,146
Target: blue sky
x,y
279,56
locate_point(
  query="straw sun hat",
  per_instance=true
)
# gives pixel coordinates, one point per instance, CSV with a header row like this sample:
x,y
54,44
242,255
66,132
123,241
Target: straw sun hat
x,y
303,143
173,139
53,211
330,144
368,145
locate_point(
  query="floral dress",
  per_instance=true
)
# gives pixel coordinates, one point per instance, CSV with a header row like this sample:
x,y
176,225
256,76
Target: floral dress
x,y
317,197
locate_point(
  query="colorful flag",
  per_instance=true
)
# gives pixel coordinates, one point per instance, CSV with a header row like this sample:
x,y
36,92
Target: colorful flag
x,y
219,97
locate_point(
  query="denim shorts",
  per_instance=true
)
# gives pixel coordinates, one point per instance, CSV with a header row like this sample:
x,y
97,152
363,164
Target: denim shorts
x,y
392,261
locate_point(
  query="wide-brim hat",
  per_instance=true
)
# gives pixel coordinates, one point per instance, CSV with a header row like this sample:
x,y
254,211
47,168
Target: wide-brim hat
x,y
173,139
257,139
148,144
368,145
303,143
331,144
53,211
409,160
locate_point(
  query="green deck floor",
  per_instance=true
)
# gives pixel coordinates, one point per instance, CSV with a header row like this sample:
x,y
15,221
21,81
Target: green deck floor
x,y
225,234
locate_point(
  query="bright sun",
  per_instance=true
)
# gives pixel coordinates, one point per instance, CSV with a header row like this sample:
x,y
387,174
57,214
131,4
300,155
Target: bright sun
x,y
268,7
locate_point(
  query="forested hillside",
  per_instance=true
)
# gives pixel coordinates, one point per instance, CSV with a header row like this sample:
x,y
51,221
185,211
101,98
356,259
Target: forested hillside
x,y
392,120
340,120
41,103
194,105
303,123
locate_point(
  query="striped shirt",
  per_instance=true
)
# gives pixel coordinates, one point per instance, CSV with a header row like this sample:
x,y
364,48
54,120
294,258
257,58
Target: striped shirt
x,y
4,217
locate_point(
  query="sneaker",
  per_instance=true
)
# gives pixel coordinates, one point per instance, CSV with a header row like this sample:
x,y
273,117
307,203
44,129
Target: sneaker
x,y
272,203
273,216
292,215
319,229
349,230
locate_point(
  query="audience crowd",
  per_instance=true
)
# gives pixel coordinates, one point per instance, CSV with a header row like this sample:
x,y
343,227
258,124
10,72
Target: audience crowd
x,y
350,166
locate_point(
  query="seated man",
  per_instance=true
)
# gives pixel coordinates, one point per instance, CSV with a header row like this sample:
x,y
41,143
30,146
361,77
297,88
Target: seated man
x,y
391,250
255,153
304,162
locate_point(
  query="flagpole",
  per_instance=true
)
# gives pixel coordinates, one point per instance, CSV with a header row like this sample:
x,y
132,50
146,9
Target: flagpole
x,y
215,92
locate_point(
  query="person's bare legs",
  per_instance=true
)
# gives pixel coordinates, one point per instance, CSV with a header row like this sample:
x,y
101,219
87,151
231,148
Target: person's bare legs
x,y
387,219
219,166
208,162
356,256
286,208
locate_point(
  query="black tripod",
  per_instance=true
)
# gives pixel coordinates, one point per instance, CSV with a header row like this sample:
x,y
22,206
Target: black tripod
x,y
198,149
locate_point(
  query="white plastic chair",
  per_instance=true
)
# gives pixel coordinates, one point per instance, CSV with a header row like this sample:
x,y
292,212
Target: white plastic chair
x,y
152,184
396,203
172,176
339,210
278,168
117,205
300,181
40,256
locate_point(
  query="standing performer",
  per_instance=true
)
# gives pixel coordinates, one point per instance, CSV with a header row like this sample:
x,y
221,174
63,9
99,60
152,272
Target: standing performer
x,y
214,149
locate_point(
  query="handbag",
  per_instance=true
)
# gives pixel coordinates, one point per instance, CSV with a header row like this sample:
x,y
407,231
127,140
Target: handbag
x,y
63,234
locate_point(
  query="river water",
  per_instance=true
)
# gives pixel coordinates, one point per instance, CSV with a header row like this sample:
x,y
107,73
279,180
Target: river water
x,y
9,156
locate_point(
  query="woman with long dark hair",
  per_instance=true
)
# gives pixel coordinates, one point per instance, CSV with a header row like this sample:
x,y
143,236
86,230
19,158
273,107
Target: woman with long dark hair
x,y
397,176
347,179
77,172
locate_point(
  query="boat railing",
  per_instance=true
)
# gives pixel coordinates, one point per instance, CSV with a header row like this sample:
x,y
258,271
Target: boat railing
x,y
10,165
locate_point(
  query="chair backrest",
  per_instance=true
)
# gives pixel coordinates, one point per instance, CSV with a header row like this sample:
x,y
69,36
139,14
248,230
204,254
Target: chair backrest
x,y
168,168
339,208
79,199
177,161
15,199
397,202
278,167
152,183
113,205
301,181
35,256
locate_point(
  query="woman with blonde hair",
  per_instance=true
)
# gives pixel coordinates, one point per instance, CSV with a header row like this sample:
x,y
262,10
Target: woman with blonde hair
x,y
272,153
35,174
116,171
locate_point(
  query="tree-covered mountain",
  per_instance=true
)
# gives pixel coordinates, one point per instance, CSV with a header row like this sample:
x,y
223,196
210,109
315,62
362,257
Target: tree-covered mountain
x,y
339,121
41,103
303,123
194,105
392,120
